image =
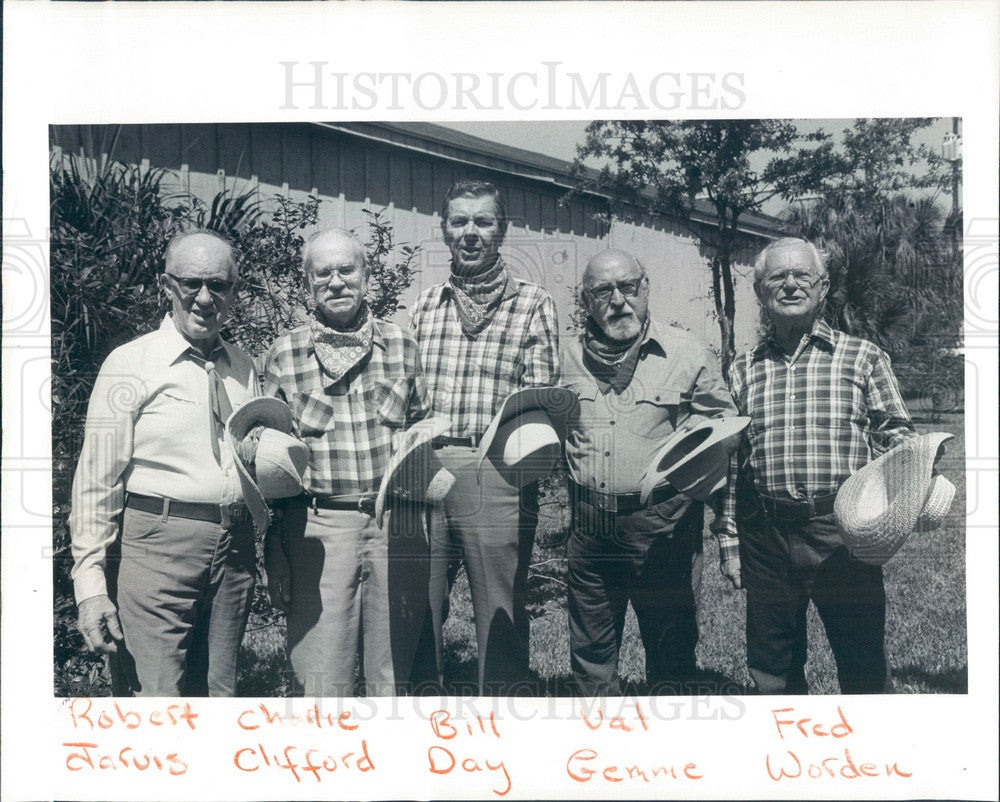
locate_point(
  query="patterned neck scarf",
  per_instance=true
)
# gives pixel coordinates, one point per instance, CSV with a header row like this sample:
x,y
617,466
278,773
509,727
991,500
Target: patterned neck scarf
x,y
478,297
339,351
612,362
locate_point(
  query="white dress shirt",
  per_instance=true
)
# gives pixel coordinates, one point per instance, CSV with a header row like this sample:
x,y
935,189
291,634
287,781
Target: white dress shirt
x,y
149,432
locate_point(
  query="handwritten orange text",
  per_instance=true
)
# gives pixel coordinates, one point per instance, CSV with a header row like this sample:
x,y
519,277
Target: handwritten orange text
x,y
299,763
615,722
807,727
82,757
262,715
86,715
443,759
792,767
583,766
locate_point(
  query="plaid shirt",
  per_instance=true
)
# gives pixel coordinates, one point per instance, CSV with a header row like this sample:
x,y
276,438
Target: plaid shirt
x,y
469,377
816,417
348,424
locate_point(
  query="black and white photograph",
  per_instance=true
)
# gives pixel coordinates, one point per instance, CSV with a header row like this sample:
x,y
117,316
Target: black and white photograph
x,y
475,400
497,422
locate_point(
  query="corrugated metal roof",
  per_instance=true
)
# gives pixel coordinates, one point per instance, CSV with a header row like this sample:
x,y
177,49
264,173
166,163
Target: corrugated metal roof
x,y
461,147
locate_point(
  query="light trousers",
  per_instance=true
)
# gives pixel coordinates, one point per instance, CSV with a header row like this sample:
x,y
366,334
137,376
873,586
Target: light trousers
x,y
359,593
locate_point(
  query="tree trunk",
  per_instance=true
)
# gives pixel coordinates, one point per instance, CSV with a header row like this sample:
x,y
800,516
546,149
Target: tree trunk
x,y
727,319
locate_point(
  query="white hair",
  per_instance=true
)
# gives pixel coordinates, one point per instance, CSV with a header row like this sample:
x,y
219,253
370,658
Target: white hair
x,y
359,249
760,266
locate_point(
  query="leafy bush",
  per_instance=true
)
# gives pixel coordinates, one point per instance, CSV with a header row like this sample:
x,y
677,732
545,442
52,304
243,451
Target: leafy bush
x,y
110,225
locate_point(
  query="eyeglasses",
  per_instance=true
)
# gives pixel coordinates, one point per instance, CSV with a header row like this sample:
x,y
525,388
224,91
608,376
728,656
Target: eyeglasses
x,y
189,287
803,279
604,292
324,275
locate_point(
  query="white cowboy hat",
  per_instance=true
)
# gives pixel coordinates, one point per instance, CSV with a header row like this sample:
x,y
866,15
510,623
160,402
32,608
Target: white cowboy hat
x,y
280,459
879,505
695,460
525,437
414,471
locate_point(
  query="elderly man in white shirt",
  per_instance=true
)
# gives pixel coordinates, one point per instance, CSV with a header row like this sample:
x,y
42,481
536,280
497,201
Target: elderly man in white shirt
x,y
155,471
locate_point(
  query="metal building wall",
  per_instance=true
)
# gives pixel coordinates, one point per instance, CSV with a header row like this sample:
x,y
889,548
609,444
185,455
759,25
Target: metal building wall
x,y
547,243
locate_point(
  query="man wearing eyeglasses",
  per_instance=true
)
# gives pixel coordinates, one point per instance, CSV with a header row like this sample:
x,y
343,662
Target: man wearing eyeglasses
x,y
350,587
823,404
154,468
638,382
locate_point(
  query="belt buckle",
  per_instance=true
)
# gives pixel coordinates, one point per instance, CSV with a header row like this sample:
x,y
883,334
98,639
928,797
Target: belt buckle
x,y
233,514
366,505
607,502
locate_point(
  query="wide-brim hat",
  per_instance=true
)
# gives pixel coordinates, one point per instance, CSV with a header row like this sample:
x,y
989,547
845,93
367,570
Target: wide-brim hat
x,y
879,505
525,437
280,461
696,460
414,471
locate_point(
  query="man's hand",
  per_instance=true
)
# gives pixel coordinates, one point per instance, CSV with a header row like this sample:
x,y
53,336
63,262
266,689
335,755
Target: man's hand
x,y
98,623
279,573
731,571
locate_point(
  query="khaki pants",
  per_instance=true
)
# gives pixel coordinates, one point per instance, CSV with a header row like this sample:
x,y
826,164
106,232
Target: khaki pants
x,y
183,593
357,591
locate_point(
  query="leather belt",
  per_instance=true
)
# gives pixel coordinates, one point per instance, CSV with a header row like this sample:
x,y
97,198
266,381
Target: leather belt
x,y
363,503
467,442
787,509
620,502
192,510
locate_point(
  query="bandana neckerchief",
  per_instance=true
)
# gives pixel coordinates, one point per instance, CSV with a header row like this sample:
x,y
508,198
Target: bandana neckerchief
x,y
339,351
478,297
612,362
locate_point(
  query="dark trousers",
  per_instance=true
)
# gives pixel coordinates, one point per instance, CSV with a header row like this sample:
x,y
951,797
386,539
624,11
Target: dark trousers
x,y
785,565
651,558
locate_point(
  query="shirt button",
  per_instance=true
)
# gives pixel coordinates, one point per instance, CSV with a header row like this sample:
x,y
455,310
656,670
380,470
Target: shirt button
x,y
792,368
612,423
607,453
364,489
657,398
792,396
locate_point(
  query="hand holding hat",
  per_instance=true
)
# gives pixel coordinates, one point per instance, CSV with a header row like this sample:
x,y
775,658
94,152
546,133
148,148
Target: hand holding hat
x,y
898,493
270,461
525,437
414,471
695,460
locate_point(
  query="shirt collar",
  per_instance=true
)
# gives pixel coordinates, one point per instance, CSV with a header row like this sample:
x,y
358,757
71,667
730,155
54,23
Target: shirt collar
x,y
510,290
174,346
654,336
821,334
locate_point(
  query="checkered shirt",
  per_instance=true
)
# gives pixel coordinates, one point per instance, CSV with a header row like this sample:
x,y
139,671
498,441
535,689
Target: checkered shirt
x,y
348,424
816,418
469,377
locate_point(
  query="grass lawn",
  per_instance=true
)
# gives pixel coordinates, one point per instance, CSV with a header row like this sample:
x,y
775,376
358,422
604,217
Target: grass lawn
x,y
925,627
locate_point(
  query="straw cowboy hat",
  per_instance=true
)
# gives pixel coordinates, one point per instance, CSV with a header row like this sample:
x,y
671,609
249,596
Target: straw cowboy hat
x,y
279,460
695,460
524,439
898,493
414,471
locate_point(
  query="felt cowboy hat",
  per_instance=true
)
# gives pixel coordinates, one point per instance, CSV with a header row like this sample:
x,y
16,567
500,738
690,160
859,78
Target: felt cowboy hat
x,y
879,505
279,459
414,471
696,460
524,439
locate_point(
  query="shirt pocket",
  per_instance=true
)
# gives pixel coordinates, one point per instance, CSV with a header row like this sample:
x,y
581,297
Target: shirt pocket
x,y
655,412
313,412
391,401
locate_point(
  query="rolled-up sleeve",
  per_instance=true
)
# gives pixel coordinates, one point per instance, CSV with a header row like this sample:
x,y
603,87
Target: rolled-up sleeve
x,y
98,494
541,357
888,419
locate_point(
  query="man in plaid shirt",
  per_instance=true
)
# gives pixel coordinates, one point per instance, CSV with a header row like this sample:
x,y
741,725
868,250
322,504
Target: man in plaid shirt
x,y
353,382
482,335
822,404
